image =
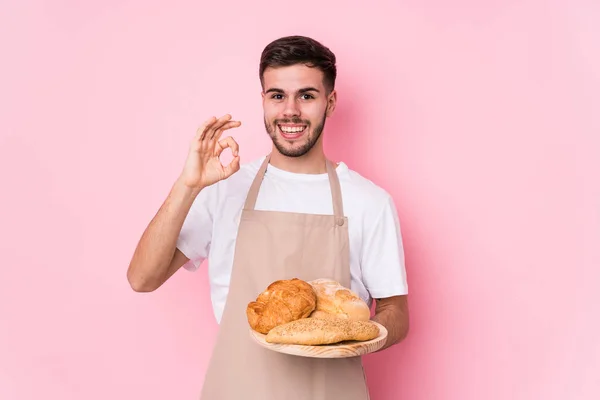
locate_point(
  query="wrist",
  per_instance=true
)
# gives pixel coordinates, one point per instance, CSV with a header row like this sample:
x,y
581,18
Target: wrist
x,y
186,190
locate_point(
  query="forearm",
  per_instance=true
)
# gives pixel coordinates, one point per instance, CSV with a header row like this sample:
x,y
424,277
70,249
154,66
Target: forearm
x,y
393,315
150,263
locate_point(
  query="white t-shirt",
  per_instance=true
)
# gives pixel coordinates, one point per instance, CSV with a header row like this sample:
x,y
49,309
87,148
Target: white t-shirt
x,y
376,252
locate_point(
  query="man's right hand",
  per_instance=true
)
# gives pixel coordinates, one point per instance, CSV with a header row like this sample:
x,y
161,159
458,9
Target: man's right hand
x,y
156,256
203,166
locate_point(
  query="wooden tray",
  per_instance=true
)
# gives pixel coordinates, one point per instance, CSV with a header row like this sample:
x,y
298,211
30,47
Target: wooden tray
x,y
338,350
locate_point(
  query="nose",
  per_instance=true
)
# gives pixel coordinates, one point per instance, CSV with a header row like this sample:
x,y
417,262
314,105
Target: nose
x,y
291,108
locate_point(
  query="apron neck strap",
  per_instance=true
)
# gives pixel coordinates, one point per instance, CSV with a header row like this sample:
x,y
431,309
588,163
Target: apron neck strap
x,y
334,182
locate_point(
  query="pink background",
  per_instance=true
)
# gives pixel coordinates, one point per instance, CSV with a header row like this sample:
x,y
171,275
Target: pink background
x,y
480,117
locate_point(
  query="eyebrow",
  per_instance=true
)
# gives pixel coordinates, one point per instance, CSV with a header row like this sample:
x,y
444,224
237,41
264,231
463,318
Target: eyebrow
x,y
303,90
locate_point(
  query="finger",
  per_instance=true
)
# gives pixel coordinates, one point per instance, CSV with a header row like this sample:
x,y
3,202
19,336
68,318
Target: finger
x,y
228,125
233,167
217,125
225,143
204,126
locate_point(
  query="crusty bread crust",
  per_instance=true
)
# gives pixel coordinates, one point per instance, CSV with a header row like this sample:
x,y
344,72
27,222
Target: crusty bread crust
x,y
283,301
315,331
333,299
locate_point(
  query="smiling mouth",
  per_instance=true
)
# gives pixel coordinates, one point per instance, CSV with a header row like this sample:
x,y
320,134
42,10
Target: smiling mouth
x,y
291,131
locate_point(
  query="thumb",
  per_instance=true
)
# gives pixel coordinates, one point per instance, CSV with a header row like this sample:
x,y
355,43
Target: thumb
x,y
233,167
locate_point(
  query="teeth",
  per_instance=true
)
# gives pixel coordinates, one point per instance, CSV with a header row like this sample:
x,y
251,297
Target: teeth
x,y
286,129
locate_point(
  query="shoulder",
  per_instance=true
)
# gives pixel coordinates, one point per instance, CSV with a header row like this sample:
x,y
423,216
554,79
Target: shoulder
x,y
362,190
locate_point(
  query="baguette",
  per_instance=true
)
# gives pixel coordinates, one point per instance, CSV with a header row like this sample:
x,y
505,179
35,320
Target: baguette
x,y
315,331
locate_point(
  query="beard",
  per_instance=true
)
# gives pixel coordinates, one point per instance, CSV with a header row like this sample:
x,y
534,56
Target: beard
x,y
311,136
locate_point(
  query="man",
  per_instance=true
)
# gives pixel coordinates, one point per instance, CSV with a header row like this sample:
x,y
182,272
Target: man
x,y
292,213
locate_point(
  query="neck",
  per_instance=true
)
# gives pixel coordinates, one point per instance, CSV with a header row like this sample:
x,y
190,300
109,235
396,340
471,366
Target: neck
x,y
312,162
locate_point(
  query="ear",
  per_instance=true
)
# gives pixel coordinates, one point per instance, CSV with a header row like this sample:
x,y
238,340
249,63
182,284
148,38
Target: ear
x,y
331,102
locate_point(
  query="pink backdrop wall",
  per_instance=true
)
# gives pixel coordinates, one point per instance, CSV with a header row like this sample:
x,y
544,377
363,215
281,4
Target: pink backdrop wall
x,y
481,118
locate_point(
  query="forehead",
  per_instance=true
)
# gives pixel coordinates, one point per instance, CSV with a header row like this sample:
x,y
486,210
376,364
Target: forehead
x,y
293,77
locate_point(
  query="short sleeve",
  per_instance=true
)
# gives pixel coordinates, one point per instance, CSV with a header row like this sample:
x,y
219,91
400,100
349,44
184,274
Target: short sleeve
x,y
382,260
195,237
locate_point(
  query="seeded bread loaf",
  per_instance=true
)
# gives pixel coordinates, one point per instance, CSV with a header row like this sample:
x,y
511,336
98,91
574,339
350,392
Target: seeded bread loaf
x,y
315,331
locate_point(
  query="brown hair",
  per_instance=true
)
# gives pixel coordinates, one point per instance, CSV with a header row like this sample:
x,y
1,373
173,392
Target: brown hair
x,y
291,50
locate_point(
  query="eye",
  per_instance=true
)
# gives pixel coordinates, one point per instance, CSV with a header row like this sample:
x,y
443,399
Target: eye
x,y
277,96
307,96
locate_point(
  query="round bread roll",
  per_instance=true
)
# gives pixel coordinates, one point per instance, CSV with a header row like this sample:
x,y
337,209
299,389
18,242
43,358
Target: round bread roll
x,y
283,301
337,301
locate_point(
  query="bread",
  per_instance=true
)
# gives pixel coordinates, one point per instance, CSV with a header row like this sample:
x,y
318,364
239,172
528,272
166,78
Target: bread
x,y
333,299
314,331
323,315
283,301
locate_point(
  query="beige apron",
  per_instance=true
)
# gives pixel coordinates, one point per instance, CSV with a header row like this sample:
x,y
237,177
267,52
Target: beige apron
x,y
280,245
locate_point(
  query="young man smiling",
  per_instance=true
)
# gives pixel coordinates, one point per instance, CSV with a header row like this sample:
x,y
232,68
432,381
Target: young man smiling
x,y
292,213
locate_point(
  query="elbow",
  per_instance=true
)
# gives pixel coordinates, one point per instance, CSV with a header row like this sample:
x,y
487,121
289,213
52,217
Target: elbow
x,y
404,327
403,333
140,287
400,332
398,338
140,283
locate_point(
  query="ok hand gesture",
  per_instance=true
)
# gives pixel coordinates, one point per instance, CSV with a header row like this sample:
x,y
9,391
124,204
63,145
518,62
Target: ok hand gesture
x,y
203,166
